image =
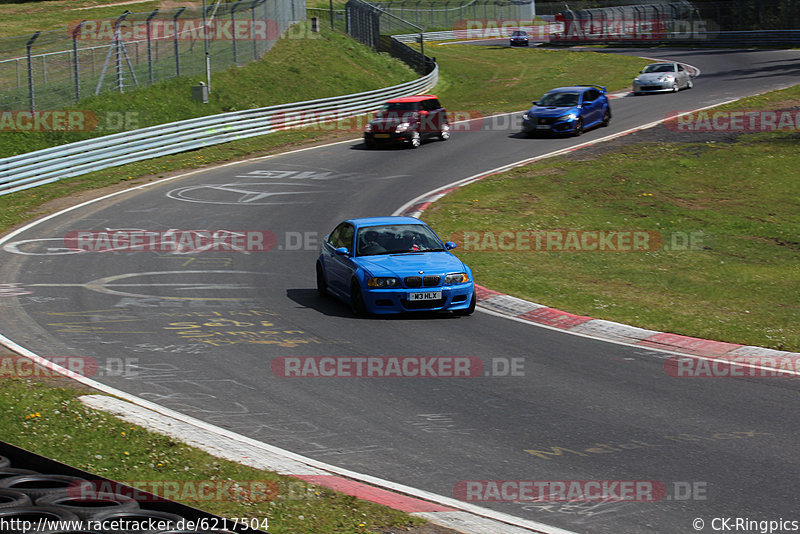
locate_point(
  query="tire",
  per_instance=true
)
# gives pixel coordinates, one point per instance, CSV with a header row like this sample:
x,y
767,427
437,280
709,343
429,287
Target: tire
x,y
675,87
13,499
578,127
4,462
689,83
322,285
415,141
470,310
444,134
6,472
370,144
606,117
34,514
357,305
88,505
38,485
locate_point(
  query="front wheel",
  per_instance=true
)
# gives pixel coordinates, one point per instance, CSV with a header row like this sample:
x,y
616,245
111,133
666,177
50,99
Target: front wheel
x,y
444,134
415,140
357,305
578,127
606,117
469,310
322,285
675,87
689,83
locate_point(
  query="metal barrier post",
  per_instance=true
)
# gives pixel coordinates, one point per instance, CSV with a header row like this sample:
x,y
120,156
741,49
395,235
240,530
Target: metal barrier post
x,y
75,60
175,40
150,45
31,98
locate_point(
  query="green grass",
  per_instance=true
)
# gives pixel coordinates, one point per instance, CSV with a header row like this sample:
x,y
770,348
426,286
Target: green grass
x,y
742,198
294,70
52,422
490,79
30,17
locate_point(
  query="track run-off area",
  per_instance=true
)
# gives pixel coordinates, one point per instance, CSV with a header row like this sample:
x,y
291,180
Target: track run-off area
x,y
200,333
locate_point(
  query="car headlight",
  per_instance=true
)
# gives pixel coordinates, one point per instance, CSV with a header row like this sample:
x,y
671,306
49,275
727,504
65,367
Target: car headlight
x,y
402,127
456,278
368,128
383,281
567,117
526,117
666,79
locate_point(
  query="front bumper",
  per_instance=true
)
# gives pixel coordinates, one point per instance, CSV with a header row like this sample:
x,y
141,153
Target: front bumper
x,y
547,125
396,299
653,87
387,138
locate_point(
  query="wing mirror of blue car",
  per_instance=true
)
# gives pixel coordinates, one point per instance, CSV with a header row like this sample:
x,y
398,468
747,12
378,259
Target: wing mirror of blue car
x,y
535,102
450,245
342,251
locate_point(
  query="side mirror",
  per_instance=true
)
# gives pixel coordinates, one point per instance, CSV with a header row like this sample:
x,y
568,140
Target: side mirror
x,y
342,251
535,102
450,245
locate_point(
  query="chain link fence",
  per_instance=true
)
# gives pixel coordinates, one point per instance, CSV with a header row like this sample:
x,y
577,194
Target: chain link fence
x,y
54,69
373,26
455,14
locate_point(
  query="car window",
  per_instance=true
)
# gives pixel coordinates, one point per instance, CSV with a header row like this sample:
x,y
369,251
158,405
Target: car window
x,y
342,236
399,106
659,67
591,95
559,99
396,239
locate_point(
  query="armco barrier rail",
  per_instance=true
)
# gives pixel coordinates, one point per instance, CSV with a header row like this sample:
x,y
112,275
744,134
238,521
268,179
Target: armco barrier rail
x,y
41,167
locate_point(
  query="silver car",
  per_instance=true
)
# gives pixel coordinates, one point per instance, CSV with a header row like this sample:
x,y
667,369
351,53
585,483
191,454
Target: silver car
x,y
662,78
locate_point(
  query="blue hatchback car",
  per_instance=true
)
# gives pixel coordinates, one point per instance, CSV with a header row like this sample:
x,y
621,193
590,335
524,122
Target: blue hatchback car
x,y
382,265
568,110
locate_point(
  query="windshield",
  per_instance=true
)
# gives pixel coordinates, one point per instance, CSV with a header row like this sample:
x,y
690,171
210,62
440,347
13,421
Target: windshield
x,y
660,67
559,99
519,34
396,239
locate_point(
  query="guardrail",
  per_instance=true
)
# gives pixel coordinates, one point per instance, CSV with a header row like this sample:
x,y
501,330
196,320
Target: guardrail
x,y
33,169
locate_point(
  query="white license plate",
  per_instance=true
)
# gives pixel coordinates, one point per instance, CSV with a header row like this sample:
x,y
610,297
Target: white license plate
x,y
382,136
542,126
432,295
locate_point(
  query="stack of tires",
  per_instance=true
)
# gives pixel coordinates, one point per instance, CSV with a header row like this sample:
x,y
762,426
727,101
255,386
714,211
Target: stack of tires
x,y
62,504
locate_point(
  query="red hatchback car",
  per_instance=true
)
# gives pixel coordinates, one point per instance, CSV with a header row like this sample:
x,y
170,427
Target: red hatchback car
x,y
408,120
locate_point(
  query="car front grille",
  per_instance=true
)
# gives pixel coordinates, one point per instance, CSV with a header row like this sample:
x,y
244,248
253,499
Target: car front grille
x,y
545,120
431,281
418,281
413,281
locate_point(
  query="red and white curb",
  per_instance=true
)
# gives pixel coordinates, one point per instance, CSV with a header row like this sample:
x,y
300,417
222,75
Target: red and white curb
x,y
440,510
542,315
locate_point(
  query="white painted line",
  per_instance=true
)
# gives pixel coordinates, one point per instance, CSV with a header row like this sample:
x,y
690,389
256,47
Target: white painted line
x,y
242,449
